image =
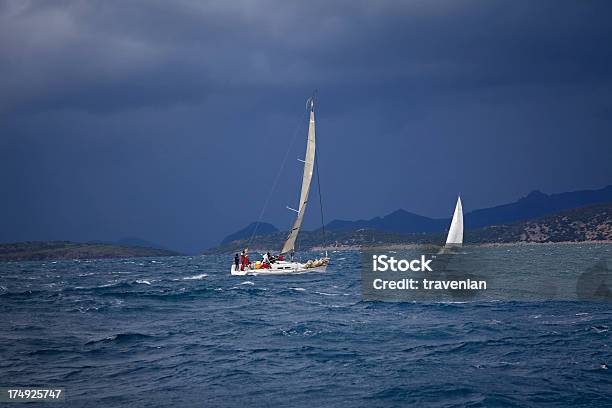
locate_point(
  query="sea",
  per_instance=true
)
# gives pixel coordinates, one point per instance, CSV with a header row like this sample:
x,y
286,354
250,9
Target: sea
x,y
182,332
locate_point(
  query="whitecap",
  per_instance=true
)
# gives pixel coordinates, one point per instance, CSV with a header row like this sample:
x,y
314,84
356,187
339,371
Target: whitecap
x,y
196,277
327,294
143,281
600,328
298,289
247,283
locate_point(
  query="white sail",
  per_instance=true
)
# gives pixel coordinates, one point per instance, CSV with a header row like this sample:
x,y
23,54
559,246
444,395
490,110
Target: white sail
x,y
455,233
306,178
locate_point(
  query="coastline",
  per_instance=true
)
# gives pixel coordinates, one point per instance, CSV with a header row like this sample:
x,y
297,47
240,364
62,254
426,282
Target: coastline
x,y
481,245
67,250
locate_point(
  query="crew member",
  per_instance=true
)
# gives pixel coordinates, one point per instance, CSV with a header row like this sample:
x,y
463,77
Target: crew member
x,y
245,259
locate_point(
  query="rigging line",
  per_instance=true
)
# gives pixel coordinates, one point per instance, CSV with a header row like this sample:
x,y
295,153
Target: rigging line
x,y
320,195
263,210
314,94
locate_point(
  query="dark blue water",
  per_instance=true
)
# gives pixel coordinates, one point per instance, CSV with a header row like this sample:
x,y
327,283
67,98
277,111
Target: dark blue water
x,y
181,331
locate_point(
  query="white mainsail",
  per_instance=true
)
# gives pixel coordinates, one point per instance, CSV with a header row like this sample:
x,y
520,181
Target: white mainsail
x,y
306,178
455,233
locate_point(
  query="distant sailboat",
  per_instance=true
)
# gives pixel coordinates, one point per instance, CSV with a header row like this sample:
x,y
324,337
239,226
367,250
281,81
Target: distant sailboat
x,y
455,232
283,266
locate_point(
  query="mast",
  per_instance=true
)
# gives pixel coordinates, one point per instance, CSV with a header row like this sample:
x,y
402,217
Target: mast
x,y
455,232
309,161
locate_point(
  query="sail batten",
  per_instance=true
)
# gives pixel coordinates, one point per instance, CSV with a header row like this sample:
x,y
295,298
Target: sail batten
x,y
309,159
455,232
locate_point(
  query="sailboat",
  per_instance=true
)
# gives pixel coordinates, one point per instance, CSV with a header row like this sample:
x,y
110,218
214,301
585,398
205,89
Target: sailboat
x,y
455,232
282,266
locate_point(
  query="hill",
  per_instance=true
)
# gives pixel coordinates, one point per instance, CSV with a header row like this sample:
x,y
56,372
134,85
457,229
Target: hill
x,y
535,204
56,250
263,228
130,241
400,221
592,223
138,242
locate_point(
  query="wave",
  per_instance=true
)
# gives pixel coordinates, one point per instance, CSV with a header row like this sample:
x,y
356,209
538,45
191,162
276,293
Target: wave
x,y
46,352
143,281
26,294
600,328
161,293
156,338
196,277
328,294
120,338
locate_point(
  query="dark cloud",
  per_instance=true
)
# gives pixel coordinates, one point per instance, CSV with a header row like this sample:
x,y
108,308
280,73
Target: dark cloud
x,y
64,54
126,118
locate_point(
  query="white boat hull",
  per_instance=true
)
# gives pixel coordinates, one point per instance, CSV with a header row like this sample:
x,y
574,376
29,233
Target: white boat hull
x,y
279,268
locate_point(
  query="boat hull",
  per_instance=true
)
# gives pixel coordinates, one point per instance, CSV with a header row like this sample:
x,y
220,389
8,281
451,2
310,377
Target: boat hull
x,y
279,268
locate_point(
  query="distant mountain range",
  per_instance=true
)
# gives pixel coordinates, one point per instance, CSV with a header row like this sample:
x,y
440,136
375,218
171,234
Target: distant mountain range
x,y
591,223
535,204
400,221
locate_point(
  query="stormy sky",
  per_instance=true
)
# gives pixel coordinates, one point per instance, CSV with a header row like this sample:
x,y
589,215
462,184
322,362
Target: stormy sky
x,y
169,121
